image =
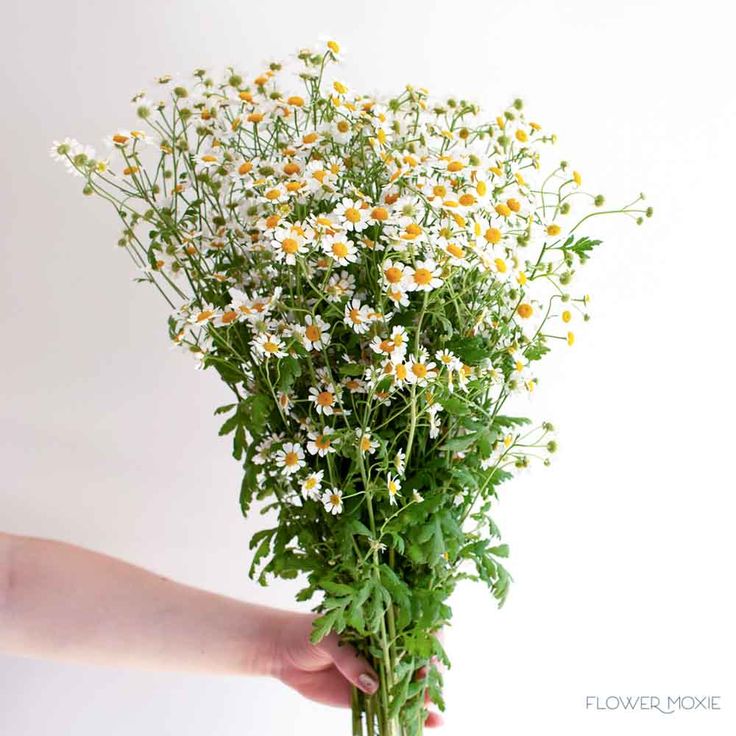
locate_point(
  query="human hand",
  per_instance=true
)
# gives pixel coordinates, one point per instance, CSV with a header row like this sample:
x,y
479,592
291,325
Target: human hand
x,y
323,672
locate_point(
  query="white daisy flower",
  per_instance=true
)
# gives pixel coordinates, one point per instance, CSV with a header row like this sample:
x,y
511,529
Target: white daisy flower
x,y
400,461
288,243
290,458
339,286
312,485
320,442
393,486
352,215
269,345
365,442
425,276
357,316
340,249
394,274
332,500
204,315
420,372
325,401
316,334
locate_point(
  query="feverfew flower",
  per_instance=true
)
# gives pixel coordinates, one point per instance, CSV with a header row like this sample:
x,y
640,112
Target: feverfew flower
x,y
269,346
325,399
352,215
312,485
332,500
425,276
316,333
290,458
320,442
393,486
340,249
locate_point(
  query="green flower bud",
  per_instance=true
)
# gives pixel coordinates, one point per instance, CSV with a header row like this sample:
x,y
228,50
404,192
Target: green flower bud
x,y
180,92
235,80
599,200
88,189
143,112
518,103
564,208
552,446
565,278
649,212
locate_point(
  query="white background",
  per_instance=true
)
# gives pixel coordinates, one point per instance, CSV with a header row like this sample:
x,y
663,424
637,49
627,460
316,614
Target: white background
x,y
622,552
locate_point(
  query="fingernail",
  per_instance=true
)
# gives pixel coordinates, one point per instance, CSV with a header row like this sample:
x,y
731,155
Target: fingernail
x,y
367,683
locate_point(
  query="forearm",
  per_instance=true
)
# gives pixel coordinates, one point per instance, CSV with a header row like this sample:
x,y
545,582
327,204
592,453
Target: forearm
x,y
69,603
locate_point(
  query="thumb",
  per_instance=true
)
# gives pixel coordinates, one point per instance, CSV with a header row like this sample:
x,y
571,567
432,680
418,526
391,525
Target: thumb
x,y
350,664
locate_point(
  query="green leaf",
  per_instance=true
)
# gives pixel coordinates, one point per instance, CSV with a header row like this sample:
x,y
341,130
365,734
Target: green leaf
x,y
334,588
501,551
460,443
322,625
581,247
229,424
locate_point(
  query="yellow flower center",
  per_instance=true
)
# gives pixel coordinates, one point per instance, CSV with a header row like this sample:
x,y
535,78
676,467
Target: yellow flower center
x,y
401,371
502,210
209,158
273,194
419,370
393,274
310,138
422,276
270,347
466,200
343,126
295,100
322,442
455,166
352,215
229,317
289,245
313,333
205,315
255,117
291,459
493,235
379,213
325,398
566,316
340,250
524,310
455,250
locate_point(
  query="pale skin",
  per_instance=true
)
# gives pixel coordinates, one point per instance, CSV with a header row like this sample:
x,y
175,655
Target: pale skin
x,y
60,601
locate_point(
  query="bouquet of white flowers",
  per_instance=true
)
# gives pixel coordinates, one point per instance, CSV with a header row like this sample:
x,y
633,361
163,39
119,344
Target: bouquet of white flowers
x,y
373,279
